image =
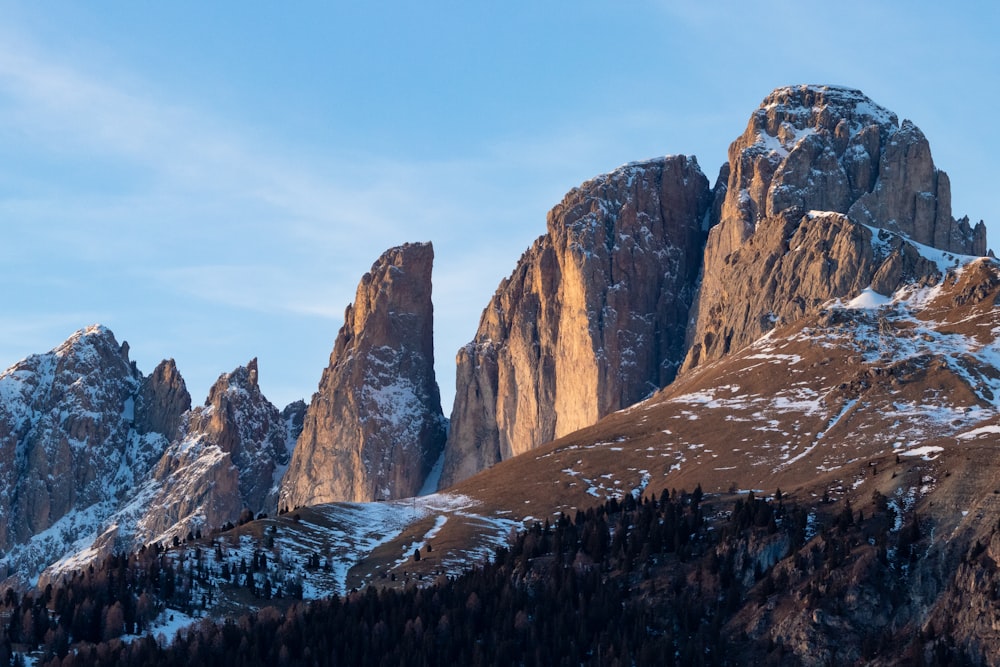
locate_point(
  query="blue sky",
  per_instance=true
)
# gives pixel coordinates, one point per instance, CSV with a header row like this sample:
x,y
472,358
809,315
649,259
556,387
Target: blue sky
x,y
211,180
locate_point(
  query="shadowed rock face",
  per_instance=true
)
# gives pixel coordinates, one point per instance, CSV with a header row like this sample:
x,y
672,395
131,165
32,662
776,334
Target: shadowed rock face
x,y
375,428
591,320
813,156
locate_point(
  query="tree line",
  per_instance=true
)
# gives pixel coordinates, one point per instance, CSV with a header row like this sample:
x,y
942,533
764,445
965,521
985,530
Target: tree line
x,y
649,581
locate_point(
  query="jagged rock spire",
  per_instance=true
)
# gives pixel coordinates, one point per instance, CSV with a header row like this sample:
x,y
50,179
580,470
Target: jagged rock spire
x,y
375,428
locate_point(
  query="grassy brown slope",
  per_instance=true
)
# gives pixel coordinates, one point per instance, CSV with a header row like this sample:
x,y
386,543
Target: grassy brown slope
x,y
820,407
823,405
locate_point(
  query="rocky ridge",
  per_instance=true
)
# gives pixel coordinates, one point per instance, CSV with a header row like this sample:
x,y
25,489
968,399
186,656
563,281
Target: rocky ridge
x,y
375,428
227,461
590,321
817,172
96,458
71,446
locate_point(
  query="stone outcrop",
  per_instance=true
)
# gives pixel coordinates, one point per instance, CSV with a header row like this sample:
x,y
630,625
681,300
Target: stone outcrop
x,y
912,197
165,399
591,320
815,156
375,427
69,447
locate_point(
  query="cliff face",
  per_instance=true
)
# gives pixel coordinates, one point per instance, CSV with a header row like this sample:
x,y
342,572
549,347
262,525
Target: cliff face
x,y
818,171
375,428
592,318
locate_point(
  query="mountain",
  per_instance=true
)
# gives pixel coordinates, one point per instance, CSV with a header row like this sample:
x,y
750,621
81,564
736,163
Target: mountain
x,y
810,405
817,172
846,473
883,407
78,433
591,320
823,464
98,458
865,433
375,428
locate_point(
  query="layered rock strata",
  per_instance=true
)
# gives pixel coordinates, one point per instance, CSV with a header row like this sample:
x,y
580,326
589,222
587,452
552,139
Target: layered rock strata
x,y
812,157
375,427
591,320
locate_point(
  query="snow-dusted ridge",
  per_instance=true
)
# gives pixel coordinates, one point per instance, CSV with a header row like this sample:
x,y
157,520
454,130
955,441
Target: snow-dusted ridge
x,y
70,448
860,107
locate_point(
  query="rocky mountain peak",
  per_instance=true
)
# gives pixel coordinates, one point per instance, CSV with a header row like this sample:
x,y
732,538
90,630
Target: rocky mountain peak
x,y
69,447
375,428
837,109
833,149
165,399
236,416
241,380
592,318
814,156
91,346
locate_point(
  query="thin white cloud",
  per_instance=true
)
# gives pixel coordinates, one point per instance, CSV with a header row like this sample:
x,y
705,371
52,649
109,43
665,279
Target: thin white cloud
x,y
65,109
213,213
257,287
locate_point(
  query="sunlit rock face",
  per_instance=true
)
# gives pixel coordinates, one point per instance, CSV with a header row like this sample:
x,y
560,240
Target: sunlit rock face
x,y
591,320
818,171
375,428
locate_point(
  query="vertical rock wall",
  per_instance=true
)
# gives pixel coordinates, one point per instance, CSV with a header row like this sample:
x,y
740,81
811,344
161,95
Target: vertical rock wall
x,y
591,320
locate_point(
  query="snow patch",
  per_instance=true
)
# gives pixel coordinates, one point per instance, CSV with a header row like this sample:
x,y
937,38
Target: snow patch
x,y
924,452
433,477
869,299
976,432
